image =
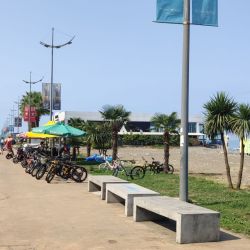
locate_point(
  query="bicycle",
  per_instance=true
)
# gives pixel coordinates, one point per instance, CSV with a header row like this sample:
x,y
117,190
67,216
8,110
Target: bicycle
x,y
66,170
134,173
107,165
156,167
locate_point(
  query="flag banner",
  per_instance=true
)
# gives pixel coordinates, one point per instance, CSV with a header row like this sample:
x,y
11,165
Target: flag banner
x,y
169,11
32,116
18,122
205,12
46,95
26,114
56,96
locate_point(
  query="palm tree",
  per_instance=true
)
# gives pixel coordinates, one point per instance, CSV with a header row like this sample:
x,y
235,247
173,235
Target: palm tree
x,y
219,112
169,124
102,138
241,127
88,127
116,115
36,101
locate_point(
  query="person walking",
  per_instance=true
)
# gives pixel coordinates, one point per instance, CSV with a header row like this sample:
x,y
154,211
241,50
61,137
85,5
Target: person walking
x,y
8,144
1,145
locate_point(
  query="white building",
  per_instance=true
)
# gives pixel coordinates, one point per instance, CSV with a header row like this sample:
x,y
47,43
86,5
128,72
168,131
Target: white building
x,y
139,123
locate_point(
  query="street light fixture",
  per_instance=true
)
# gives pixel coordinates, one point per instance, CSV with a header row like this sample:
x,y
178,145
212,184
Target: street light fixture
x,y
52,46
30,82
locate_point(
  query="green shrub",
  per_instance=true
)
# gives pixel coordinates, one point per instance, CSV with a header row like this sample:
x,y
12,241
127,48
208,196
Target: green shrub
x,y
147,140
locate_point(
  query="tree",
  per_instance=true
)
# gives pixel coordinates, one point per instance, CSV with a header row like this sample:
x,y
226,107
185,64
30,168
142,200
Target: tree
x,y
97,134
219,112
36,101
115,115
102,139
241,127
88,127
169,124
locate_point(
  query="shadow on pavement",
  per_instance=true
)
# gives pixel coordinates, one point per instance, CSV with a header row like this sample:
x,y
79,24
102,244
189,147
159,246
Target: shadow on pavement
x,y
226,236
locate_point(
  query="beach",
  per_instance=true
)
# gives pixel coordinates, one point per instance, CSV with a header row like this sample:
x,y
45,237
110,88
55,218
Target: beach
x,y
206,162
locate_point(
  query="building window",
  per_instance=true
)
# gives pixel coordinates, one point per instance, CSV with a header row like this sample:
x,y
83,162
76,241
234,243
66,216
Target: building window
x,y
201,128
191,127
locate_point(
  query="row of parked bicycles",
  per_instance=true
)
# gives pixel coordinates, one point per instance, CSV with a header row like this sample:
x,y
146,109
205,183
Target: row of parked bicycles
x,y
38,164
130,169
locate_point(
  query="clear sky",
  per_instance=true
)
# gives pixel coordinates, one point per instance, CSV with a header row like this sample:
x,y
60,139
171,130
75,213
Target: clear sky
x,y
119,56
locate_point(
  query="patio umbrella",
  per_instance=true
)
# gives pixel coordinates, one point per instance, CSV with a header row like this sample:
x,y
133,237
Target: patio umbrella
x,y
59,129
31,135
38,135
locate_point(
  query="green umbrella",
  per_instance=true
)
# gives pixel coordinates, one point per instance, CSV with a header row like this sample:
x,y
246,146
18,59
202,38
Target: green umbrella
x,y
59,129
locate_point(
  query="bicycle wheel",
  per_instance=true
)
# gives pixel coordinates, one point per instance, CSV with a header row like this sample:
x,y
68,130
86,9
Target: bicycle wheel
x,y
137,173
41,171
170,169
50,175
115,171
35,169
29,168
79,174
15,159
24,163
9,156
103,166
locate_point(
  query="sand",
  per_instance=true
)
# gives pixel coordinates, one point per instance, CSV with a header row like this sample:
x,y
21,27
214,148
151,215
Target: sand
x,y
206,162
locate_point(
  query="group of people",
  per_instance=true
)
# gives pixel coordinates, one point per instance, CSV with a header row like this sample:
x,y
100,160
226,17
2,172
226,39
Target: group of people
x,y
6,144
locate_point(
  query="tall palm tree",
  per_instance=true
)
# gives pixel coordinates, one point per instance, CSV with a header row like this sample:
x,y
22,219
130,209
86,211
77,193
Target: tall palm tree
x,y
241,127
36,101
116,115
169,124
219,112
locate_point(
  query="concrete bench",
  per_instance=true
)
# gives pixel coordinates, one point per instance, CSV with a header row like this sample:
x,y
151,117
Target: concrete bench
x,y
119,193
193,223
99,182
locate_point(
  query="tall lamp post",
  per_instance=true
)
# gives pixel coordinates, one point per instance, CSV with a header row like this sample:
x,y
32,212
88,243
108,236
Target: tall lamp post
x,y
30,83
13,120
18,115
52,46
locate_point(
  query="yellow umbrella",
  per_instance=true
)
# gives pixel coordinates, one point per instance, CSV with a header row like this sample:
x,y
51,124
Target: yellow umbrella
x,y
49,123
32,135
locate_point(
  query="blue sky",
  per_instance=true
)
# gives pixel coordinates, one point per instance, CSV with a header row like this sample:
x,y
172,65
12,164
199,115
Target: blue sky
x,y
119,56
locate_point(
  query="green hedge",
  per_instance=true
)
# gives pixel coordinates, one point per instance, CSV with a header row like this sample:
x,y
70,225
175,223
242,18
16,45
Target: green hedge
x,y
147,140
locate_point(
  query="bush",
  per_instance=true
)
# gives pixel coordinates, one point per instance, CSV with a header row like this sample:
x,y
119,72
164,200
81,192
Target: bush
x,y
147,140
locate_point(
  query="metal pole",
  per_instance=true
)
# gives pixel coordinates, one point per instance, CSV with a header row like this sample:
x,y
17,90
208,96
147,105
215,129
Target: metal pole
x,y
17,115
185,104
52,66
30,105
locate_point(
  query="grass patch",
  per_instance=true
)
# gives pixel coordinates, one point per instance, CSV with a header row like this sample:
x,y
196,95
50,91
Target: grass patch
x,y
233,205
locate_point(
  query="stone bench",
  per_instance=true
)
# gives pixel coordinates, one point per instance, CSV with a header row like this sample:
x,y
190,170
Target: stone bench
x,y
99,182
193,223
126,192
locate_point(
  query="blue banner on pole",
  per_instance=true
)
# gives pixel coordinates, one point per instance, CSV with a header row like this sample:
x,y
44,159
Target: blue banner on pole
x,y
169,11
205,12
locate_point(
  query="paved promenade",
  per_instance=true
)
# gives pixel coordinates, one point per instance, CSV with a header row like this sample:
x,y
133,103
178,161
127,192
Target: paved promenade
x,y
35,215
